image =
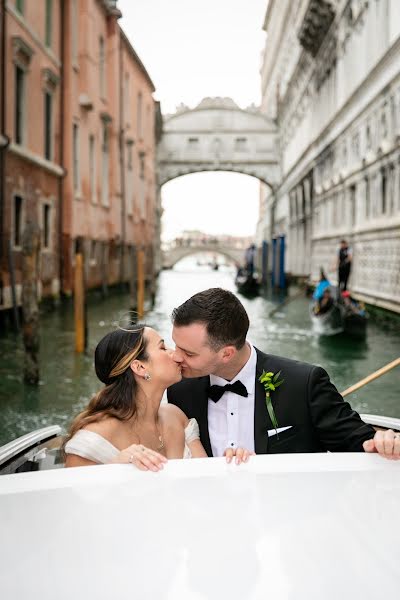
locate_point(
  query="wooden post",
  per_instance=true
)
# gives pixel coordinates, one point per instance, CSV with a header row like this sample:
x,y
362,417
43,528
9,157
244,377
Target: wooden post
x,y
140,284
104,267
30,306
11,269
79,305
132,278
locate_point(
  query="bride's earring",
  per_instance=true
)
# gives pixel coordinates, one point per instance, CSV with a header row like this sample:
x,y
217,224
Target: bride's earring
x,y
147,377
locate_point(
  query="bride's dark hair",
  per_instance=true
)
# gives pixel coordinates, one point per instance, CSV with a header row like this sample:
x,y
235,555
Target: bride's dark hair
x,y
112,359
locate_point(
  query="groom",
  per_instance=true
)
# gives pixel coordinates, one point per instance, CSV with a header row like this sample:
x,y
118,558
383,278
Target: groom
x,y
222,391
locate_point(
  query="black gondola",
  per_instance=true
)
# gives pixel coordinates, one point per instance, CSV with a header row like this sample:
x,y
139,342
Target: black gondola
x,y
355,324
338,319
246,284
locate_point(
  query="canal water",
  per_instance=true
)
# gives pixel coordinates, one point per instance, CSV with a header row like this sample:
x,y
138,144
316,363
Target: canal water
x,y
68,380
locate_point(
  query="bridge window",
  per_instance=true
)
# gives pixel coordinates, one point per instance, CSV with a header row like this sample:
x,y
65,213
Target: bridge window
x,y
240,143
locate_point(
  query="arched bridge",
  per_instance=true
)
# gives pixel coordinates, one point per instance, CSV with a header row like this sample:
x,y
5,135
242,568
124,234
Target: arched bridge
x,y
217,135
179,249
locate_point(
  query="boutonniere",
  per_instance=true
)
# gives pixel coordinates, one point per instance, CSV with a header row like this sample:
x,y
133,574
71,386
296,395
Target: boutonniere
x,y
270,382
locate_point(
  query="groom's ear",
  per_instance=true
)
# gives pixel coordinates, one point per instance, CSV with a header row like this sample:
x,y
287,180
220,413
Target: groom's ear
x,y
227,353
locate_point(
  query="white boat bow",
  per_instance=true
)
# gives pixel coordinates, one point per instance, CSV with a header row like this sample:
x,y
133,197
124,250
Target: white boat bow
x,y
282,526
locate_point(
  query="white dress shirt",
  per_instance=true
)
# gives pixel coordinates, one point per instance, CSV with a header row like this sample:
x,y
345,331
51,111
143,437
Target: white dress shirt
x,y
231,419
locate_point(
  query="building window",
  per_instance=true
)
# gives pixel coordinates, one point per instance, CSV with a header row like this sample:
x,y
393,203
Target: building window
x,y
149,128
383,189
129,179
142,187
105,165
19,104
240,144
48,129
74,32
92,168
353,206
392,187
139,116
17,221
367,198
93,252
193,143
48,22
20,6
75,158
126,96
46,226
102,68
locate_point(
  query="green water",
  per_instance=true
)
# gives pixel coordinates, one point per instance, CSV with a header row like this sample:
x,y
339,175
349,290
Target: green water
x,y
68,380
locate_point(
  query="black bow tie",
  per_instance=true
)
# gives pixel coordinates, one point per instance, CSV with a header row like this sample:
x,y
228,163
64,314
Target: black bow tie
x,y
215,392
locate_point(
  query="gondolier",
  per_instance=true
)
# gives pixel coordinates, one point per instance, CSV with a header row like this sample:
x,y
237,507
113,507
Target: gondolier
x,y
345,256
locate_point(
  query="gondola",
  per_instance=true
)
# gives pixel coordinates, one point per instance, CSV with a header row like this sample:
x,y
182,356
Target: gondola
x,y
247,285
339,319
355,324
330,322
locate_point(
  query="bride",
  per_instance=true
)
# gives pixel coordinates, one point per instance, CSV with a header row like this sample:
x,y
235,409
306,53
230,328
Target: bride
x,y
125,422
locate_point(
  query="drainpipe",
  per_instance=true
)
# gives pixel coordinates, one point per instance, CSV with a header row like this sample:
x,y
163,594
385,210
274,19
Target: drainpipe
x,y
63,16
121,158
2,131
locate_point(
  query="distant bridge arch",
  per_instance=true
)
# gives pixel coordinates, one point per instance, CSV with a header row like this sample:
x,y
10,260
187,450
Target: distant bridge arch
x,y
217,135
177,253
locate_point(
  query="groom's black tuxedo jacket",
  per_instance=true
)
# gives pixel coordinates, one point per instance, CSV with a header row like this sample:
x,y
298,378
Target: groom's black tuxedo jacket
x,y
319,417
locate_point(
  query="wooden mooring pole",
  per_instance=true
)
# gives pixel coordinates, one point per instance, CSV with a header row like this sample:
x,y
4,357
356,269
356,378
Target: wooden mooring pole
x,y
30,305
79,305
11,269
140,284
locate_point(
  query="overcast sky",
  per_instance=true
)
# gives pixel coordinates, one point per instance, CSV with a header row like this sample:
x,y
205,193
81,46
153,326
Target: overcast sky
x,y
193,49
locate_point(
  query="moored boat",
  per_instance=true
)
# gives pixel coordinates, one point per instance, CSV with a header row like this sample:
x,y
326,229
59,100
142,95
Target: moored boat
x,y
246,284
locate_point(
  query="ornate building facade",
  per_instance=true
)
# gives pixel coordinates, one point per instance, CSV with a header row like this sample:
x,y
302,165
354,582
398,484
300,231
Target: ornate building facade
x,y
331,80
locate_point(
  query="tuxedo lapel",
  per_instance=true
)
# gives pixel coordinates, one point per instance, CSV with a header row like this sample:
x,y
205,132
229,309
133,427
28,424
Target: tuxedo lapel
x,y
260,413
202,415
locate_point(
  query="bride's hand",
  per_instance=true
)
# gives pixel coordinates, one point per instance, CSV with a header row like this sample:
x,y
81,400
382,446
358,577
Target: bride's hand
x,y
143,458
240,454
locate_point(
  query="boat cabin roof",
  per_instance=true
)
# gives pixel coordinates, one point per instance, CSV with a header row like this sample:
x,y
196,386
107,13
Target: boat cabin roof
x,y
282,526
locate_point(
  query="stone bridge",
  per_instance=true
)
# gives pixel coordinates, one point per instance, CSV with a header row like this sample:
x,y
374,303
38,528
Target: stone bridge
x,y
173,253
217,135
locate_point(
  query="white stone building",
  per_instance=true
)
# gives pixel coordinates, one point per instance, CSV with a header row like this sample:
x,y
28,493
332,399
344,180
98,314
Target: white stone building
x,y
331,80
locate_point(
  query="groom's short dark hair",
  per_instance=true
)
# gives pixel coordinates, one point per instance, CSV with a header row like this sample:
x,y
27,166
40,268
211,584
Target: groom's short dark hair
x,y
221,312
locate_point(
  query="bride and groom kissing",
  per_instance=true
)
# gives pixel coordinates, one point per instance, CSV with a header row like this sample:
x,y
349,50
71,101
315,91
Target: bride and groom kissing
x,y
225,397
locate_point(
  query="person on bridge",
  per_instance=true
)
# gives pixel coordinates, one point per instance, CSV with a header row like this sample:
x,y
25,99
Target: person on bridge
x,y
241,397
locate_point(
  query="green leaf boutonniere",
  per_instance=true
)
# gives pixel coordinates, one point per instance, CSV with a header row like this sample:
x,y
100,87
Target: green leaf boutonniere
x,y
270,382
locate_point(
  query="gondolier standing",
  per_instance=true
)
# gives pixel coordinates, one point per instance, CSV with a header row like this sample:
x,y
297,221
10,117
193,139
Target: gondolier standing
x,y
345,255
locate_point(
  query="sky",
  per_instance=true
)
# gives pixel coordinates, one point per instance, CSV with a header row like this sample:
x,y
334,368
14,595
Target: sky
x,y
193,49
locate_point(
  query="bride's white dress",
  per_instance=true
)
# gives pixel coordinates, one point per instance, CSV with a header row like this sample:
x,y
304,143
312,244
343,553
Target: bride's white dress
x,y
95,447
